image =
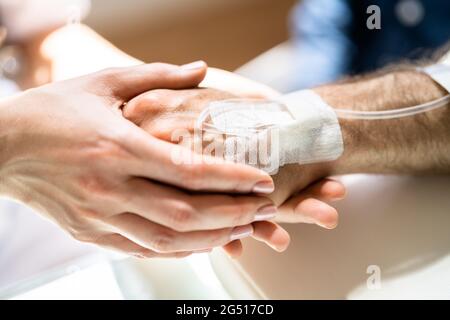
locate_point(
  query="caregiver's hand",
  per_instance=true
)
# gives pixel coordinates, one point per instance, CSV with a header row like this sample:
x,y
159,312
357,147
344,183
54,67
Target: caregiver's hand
x,y
66,150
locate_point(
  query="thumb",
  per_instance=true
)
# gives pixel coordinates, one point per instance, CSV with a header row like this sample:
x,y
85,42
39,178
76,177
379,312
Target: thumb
x,y
126,83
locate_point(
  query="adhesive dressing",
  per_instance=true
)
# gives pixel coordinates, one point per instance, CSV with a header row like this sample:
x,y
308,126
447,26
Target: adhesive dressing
x,y
271,134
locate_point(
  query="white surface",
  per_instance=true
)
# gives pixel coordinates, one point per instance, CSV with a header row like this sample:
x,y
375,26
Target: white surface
x,y
31,245
188,278
95,282
399,224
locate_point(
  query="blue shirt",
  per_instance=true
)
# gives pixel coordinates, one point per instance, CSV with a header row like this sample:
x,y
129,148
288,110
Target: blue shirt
x,y
331,37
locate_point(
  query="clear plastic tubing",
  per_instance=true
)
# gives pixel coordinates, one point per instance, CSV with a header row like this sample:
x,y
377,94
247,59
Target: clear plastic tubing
x,y
393,114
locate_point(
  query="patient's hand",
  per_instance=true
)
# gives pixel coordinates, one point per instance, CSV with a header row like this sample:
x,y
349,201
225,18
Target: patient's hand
x,y
161,112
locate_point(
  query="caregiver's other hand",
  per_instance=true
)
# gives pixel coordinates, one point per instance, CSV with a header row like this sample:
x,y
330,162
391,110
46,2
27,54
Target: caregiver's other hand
x,y
67,151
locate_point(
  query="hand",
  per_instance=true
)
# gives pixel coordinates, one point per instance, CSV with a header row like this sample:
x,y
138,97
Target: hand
x,y
161,112
302,193
67,151
60,46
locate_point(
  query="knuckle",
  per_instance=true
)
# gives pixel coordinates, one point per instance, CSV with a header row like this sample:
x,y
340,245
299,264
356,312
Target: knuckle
x,y
219,237
152,101
125,197
182,216
160,69
105,151
243,212
108,74
80,235
75,224
94,185
163,241
243,204
107,147
80,224
137,108
89,214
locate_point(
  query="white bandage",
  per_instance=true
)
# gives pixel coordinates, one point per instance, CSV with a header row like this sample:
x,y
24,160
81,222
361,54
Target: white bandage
x,y
297,128
314,135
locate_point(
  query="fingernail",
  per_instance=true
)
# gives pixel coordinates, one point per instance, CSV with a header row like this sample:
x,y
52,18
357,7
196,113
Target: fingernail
x,y
193,65
340,197
241,232
328,226
264,187
267,212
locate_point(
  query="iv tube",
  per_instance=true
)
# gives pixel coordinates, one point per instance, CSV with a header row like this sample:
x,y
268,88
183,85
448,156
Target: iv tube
x,y
395,113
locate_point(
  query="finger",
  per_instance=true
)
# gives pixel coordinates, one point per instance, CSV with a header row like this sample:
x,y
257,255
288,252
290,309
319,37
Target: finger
x,y
304,209
126,83
164,240
327,190
119,243
272,234
233,249
180,211
179,166
307,206
164,105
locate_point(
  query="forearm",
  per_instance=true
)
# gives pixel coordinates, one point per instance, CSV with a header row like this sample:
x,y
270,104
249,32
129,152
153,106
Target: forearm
x,y
415,144
76,50
68,52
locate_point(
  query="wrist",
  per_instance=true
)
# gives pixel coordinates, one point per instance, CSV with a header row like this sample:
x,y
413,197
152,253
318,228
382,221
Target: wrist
x,y
13,110
356,147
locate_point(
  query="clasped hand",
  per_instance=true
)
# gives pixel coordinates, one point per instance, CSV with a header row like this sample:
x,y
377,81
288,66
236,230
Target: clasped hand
x,y
75,153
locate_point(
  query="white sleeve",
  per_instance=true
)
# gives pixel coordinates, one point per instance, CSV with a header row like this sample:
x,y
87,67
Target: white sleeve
x,y
24,18
445,59
440,72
